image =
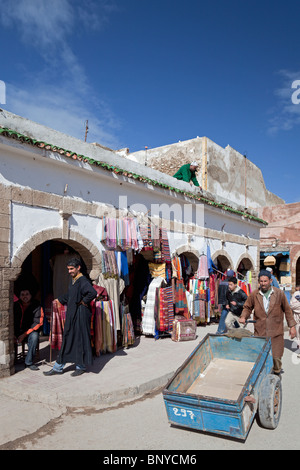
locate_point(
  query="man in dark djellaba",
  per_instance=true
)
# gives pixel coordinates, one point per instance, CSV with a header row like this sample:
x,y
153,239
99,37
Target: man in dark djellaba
x,y
76,344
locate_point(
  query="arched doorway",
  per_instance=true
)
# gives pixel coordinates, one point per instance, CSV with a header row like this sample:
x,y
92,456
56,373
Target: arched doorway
x,y
191,255
222,261
245,266
44,273
31,264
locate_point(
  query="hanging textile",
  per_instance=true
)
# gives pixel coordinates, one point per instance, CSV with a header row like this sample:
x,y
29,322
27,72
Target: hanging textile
x,y
202,271
145,231
105,332
151,236
166,256
114,287
199,290
58,322
181,307
122,265
202,311
122,232
165,310
176,268
128,336
157,270
212,287
148,320
109,264
156,238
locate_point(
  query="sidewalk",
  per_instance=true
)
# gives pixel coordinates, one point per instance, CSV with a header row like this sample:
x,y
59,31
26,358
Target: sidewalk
x,y
113,378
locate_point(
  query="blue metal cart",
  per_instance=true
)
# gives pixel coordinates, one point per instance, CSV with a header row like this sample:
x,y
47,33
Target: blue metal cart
x,y
223,384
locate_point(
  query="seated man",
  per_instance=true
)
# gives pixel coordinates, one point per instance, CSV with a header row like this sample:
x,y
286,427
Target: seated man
x,y
187,173
28,318
236,298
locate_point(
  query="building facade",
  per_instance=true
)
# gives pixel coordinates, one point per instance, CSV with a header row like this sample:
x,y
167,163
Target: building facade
x,y
55,191
222,171
280,243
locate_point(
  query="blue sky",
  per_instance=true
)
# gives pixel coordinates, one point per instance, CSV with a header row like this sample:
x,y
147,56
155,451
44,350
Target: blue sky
x,y
153,72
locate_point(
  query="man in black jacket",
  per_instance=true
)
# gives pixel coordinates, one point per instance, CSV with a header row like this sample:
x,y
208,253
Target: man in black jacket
x,y
236,298
28,319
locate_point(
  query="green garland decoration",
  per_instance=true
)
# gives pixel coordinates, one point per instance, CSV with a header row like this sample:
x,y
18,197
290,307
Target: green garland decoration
x,y
91,161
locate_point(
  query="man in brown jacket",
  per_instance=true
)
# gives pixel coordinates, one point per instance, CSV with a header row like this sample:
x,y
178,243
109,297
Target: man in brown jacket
x,y
270,305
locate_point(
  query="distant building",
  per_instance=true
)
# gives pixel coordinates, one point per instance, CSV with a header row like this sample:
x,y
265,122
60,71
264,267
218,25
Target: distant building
x,y
223,172
280,243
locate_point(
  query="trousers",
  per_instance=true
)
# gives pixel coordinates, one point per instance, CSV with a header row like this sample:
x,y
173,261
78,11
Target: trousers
x,y
59,367
33,339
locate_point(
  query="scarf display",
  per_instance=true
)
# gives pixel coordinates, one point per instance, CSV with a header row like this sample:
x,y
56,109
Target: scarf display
x,y
157,270
181,306
128,336
121,233
103,325
105,332
166,256
202,272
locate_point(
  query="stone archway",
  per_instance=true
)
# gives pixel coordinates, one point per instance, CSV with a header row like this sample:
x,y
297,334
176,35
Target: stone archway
x,y
87,250
247,262
248,265
192,255
90,254
223,260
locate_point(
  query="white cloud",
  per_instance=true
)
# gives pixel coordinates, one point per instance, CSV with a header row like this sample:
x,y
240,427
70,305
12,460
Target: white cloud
x,y
58,109
285,115
59,94
40,22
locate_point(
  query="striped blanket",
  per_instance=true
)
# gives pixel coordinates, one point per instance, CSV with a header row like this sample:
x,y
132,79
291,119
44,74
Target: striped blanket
x,y
181,307
105,333
128,336
58,322
166,309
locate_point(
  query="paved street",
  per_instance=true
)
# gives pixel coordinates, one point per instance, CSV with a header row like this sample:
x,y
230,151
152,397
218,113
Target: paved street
x,y
141,424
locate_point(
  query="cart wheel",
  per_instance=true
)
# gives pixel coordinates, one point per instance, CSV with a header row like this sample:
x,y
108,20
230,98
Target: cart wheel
x,y
269,403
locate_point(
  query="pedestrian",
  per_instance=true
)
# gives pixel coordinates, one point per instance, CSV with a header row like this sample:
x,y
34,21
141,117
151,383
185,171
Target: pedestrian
x,y
76,344
222,301
236,298
28,319
295,306
187,173
274,280
269,305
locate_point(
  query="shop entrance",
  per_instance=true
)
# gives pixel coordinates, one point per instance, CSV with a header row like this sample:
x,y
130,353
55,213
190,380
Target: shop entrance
x,y
45,274
244,269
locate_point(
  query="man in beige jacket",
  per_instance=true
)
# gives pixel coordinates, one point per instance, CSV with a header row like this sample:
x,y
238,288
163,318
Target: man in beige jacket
x,y
269,305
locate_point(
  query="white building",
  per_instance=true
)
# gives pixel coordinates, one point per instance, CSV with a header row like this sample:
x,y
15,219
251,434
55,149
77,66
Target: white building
x,y
55,189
